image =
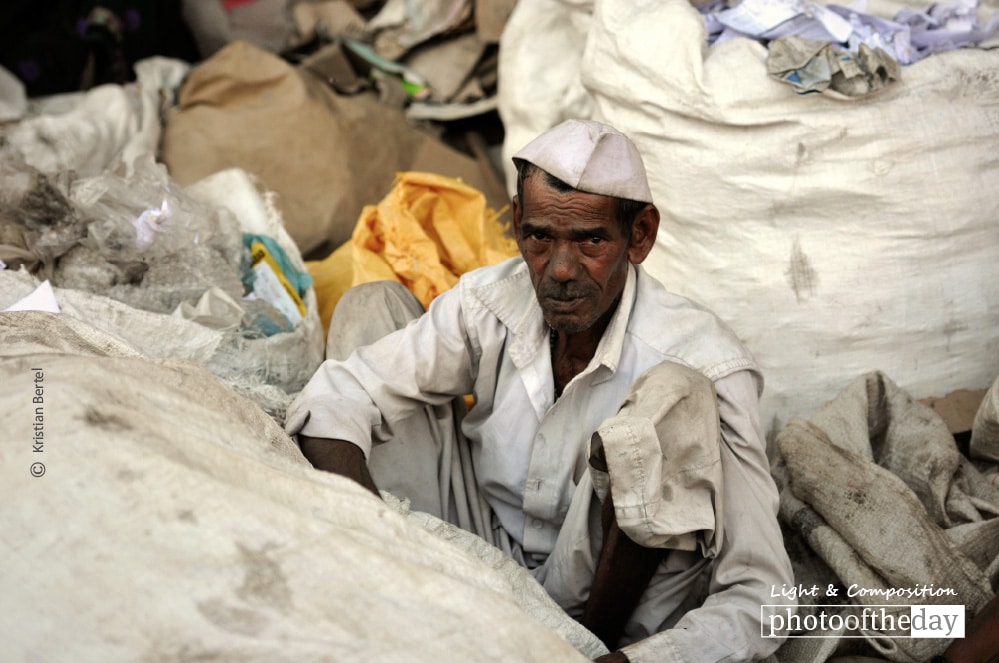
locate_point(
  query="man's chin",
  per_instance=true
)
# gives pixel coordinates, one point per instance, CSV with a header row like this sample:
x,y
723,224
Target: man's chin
x,y
567,324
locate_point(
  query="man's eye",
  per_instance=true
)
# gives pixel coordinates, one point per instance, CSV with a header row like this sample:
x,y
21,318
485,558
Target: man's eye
x,y
538,236
594,241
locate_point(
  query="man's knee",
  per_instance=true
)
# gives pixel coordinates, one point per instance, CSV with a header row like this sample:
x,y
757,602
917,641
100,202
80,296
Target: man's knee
x,y
661,453
366,313
662,389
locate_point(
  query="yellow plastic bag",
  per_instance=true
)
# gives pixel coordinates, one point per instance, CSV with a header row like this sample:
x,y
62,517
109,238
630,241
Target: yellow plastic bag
x,y
427,232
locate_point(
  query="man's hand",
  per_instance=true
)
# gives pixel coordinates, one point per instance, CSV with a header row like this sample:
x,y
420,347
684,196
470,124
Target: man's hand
x,y
981,642
339,457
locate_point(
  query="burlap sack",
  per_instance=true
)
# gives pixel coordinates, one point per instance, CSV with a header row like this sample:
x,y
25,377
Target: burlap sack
x,y
876,487
985,430
324,155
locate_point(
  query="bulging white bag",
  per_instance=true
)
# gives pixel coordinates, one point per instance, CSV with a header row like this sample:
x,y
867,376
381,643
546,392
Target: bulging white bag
x,y
836,236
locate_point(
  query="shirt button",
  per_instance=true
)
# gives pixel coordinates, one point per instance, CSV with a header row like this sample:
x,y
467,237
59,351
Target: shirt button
x,y
537,524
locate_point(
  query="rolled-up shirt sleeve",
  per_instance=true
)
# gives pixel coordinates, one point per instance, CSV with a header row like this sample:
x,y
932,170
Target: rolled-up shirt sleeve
x,y
428,362
732,624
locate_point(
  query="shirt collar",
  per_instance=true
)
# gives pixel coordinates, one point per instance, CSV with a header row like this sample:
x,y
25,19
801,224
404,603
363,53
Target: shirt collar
x,y
608,352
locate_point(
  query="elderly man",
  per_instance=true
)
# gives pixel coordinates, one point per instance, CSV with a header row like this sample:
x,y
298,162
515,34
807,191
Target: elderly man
x,y
613,447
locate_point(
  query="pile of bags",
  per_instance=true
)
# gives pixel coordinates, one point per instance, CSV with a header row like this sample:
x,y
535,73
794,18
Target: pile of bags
x,y
363,90
171,270
875,496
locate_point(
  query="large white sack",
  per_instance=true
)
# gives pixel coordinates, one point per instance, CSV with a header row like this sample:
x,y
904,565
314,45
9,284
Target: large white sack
x,y
541,51
166,518
91,131
836,236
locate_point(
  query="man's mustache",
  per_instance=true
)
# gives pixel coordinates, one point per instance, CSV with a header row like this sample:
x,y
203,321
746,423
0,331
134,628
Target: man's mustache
x,y
551,289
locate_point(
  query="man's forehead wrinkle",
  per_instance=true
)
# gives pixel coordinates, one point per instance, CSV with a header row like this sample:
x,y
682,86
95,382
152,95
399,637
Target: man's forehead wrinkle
x,y
574,230
579,213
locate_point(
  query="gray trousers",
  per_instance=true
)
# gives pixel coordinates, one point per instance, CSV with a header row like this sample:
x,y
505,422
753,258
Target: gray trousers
x,y
428,460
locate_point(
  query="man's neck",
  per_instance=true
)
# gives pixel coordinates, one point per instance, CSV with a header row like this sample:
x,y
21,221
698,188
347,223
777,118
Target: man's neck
x,y
572,352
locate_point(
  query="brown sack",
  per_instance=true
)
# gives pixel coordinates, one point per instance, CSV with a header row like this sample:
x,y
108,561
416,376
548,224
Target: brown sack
x,y
325,156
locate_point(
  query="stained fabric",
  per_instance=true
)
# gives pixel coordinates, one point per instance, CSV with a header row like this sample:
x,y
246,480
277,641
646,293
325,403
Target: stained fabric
x,y
875,496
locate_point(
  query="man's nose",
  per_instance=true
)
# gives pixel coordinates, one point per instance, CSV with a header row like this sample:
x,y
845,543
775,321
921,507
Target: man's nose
x,y
564,263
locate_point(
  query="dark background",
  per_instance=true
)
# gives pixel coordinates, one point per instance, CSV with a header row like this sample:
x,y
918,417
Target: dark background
x,y
60,46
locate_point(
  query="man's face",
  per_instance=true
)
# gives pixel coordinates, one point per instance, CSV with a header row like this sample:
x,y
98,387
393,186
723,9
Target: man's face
x,y
575,251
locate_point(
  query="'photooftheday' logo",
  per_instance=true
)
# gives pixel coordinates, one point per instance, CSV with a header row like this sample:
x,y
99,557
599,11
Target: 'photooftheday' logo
x,y
830,621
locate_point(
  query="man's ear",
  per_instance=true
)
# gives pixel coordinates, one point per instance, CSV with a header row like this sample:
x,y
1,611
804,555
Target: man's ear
x,y
643,234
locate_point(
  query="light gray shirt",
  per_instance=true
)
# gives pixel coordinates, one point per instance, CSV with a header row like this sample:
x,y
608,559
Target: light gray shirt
x,y
487,337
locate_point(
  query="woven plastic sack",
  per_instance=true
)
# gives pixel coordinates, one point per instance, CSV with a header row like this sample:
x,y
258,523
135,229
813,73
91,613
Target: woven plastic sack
x,y
164,517
836,236
89,132
425,233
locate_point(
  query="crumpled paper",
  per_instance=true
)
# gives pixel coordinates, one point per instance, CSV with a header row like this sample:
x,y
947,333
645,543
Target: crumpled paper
x,y
813,66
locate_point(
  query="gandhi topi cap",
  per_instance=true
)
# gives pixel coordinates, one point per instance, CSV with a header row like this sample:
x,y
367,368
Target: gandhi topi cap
x,y
591,157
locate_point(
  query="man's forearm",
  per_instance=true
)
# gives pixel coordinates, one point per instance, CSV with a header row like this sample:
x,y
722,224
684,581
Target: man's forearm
x,y
339,457
623,571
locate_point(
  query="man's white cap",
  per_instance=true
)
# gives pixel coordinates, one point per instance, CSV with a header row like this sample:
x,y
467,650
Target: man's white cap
x,y
591,157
